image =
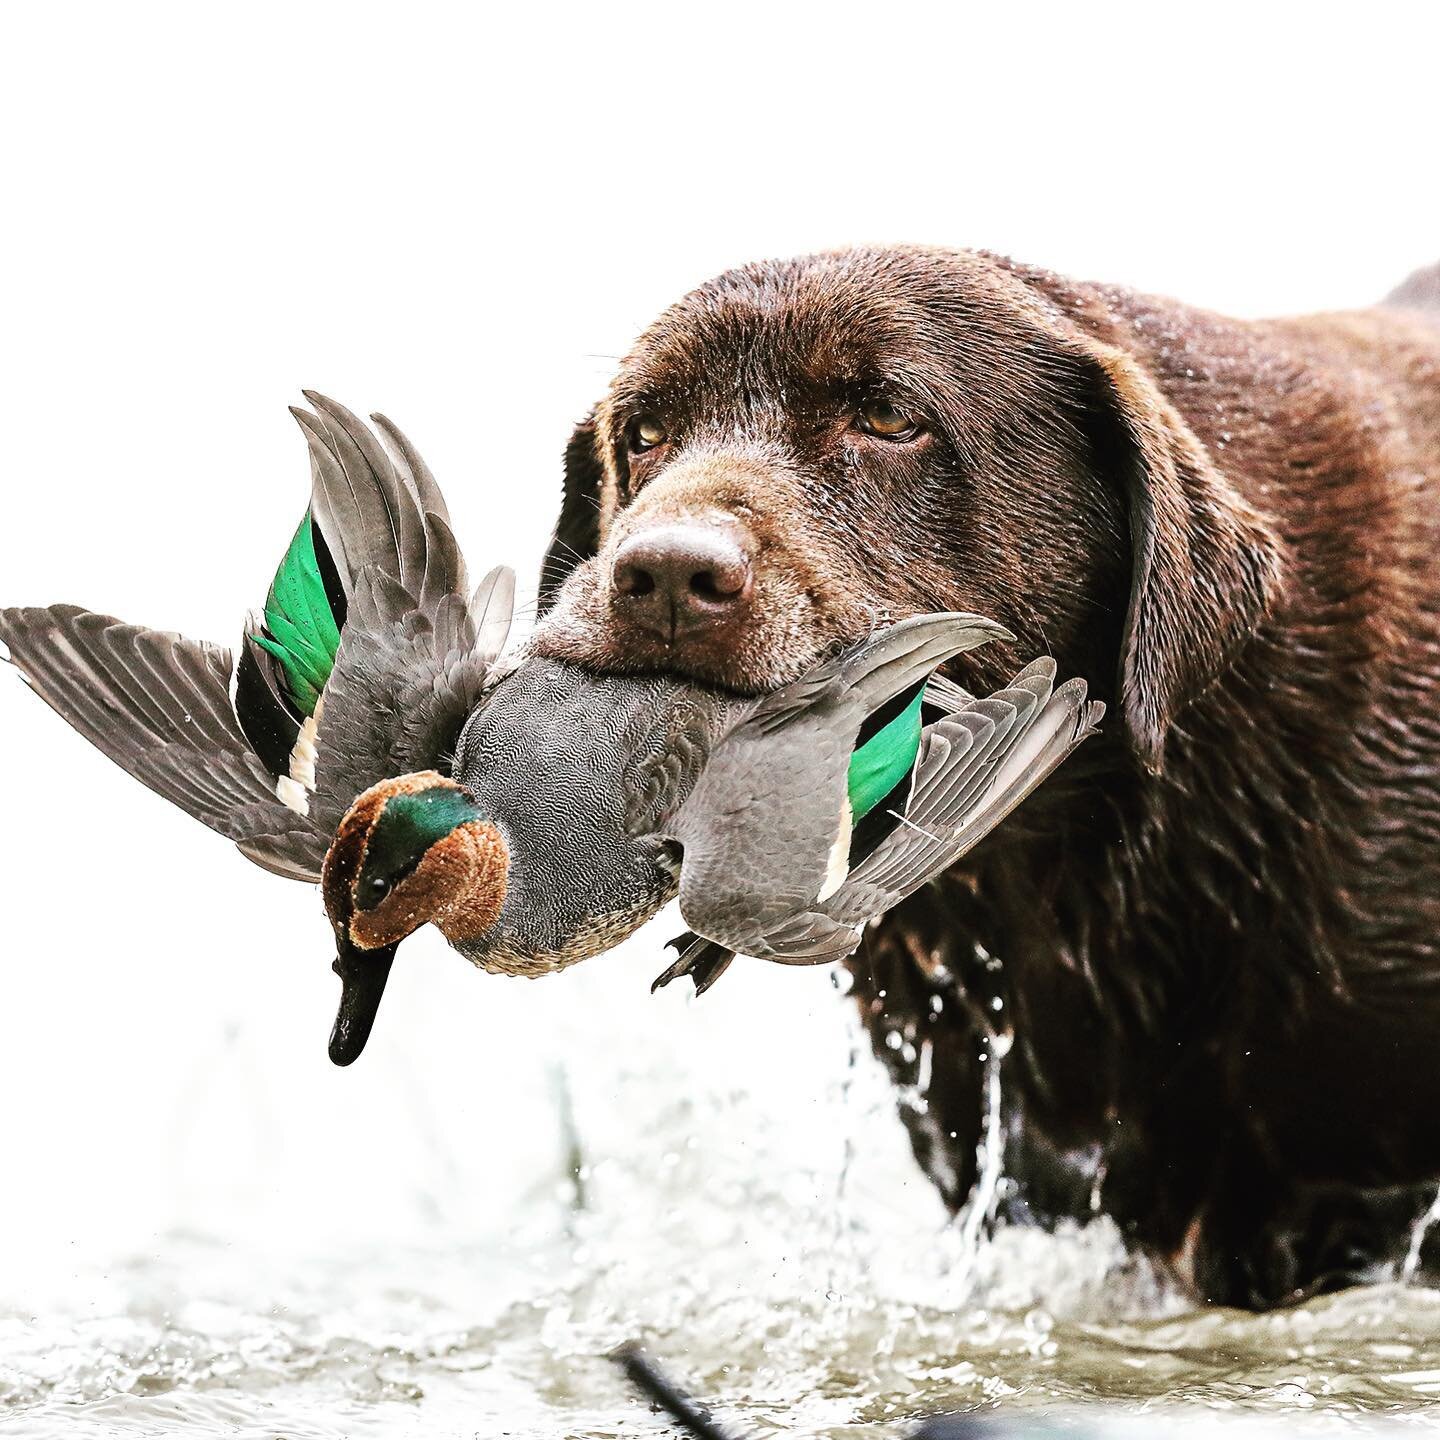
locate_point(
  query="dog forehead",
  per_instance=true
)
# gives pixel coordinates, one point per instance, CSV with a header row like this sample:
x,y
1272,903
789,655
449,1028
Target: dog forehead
x,y
850,317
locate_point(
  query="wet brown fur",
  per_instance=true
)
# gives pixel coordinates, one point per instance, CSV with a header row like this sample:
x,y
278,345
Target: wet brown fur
x,y
1213,936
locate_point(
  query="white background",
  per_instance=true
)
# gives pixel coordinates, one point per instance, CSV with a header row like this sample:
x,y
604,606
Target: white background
x,y
462,218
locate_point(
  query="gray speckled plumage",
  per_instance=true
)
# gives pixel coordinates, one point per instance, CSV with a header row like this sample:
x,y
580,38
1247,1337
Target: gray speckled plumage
x,y
580,773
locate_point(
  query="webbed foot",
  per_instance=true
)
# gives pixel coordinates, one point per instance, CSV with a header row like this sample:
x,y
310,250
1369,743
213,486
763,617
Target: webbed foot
x,y
702,960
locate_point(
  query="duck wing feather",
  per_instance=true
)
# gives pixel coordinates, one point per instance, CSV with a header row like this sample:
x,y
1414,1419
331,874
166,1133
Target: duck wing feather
x,y
975,766
159,706
758,828
416,653
970,778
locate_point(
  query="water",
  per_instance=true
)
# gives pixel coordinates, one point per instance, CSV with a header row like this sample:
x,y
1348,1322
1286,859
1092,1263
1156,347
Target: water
x,y
436,1347
569,1164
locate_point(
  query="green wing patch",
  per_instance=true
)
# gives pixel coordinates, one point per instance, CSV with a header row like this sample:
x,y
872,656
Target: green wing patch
x,y
883,760
303,620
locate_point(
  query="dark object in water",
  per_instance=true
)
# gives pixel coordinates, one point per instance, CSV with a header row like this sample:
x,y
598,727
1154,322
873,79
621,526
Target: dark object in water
x,y
953,1427
646,1377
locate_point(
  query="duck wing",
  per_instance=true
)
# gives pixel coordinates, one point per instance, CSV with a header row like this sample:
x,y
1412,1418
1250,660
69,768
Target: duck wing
x,y
378,506
759,827
975,767
364,662
414,652
159,706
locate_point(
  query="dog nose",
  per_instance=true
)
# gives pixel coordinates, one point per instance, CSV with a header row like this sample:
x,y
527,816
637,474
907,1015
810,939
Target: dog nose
x,y
674,579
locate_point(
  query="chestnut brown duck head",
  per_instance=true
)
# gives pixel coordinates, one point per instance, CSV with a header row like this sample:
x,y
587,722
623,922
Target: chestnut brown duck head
x,y
411,851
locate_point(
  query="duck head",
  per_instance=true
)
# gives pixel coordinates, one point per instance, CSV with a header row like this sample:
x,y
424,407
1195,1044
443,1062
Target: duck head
x,y
411,851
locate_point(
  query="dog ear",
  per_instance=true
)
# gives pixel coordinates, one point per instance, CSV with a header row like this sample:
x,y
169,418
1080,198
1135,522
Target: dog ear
x,y
1206,564
577,531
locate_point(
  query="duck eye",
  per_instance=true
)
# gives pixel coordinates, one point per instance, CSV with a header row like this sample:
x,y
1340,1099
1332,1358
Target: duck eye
x,y
646,433
880,417
379,889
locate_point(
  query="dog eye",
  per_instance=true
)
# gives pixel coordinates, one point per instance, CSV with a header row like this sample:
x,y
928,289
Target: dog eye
x,y
880,417
647,432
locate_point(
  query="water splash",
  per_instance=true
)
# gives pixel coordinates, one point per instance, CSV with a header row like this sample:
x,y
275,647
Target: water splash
x,y
978,1215
1410,1266
751,1211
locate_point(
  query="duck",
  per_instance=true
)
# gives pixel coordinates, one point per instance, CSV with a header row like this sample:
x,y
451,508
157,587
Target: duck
x,y
587,777
369,735
577,804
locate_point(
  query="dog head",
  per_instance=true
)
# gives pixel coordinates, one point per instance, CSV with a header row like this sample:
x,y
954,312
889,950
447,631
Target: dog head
x,y
797,450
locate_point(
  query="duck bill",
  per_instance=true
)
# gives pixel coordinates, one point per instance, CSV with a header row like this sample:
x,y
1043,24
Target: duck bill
x,y
363,974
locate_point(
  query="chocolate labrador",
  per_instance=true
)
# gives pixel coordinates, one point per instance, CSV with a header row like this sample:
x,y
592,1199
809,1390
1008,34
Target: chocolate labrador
x,y
1213,940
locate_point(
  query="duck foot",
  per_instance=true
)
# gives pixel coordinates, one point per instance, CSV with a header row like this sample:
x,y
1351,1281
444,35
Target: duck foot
x,y
702,960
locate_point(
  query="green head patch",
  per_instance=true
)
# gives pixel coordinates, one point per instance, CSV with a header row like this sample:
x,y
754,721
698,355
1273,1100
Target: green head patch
x,y
404,830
